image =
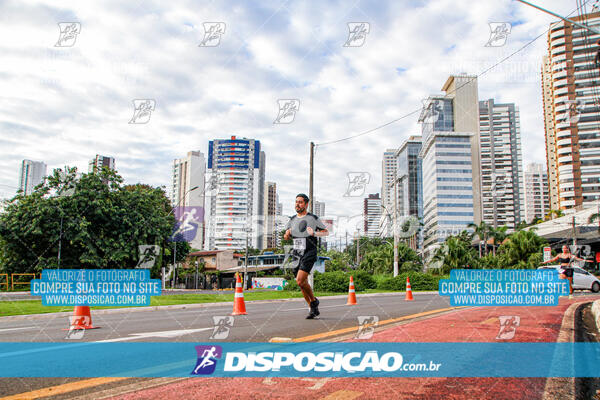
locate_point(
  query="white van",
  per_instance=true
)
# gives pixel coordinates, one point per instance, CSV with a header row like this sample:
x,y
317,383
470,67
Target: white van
x,y
582,280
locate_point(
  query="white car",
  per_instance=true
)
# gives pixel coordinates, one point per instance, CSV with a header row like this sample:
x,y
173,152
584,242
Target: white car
x,y
582,280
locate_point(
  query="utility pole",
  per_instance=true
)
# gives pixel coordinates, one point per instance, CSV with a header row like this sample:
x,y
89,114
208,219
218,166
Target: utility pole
x,y
395,227
246,261
310,183
357,247
574,232
174,263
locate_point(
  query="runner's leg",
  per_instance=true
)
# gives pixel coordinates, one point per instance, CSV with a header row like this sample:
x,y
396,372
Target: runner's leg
x,y
302,280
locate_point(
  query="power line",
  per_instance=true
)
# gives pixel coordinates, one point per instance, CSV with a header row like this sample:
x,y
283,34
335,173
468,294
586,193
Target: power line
x,y
453,91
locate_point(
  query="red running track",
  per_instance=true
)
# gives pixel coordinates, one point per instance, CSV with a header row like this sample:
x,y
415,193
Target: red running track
x,y
481,324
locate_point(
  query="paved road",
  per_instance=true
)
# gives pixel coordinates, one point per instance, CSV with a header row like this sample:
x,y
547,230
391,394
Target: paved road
x,y
264,321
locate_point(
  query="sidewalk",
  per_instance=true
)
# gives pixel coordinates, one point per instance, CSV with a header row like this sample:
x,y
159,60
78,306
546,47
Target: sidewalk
x,y
481,324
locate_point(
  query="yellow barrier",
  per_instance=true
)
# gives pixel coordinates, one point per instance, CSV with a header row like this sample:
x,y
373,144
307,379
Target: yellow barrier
x,y
12,277
5,283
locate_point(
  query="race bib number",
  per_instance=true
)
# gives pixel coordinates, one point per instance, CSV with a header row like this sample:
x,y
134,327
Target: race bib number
x,y
300,244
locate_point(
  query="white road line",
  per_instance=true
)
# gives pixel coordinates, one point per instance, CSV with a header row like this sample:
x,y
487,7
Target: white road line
x,y
306,308
17,329
163,334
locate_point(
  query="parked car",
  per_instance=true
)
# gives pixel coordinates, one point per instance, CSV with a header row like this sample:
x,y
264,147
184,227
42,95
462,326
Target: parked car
x,y
582,280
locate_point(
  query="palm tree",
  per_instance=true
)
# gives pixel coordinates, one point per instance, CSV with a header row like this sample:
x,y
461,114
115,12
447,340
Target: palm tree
x,y
552,213
498,235
520,246
481,231
593,217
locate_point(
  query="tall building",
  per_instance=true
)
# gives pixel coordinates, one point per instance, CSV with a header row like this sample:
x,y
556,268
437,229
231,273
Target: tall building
x,y
537,201
410,184
451,164
410,178
388,175
99,161
571,104
551,159
234,213
319,208
371,215
32,174
188,187
271,200
503,193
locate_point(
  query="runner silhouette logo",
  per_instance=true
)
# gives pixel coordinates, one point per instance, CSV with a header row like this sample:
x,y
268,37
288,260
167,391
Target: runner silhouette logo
x,y
207,359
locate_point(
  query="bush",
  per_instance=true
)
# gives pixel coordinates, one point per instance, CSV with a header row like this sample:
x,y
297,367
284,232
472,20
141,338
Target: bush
x,y
362,280
291,285
418,281
334,281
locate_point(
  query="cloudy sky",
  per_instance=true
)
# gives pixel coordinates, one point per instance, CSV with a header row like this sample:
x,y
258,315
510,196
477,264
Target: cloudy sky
x,y
64,104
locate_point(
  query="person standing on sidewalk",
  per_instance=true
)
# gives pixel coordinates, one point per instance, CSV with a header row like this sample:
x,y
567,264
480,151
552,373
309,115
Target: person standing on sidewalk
x,y
566,258
304,228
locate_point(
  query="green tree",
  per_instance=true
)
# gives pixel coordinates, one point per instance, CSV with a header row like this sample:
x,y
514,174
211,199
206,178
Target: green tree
x,y
523,249
339,261
553,214
482,231
498,235
98,222
593,217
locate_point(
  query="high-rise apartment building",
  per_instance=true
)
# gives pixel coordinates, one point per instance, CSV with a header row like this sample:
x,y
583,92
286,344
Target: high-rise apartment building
x,y
537,200
371,215
32,174
410,186
271,200
451,163
503,193
571,95
388,176
319,208
235,212
188,190
98,162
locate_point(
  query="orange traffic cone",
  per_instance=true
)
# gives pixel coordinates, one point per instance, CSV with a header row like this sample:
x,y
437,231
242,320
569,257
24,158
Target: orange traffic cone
x,y
409,295
82,318
351,293
239,307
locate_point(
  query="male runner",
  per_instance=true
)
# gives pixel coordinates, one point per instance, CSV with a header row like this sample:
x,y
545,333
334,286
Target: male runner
x,y
304,228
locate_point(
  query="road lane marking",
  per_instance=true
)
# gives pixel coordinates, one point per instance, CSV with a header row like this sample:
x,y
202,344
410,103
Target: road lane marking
x,y
16,329
306,308
61,389
163,334
322,335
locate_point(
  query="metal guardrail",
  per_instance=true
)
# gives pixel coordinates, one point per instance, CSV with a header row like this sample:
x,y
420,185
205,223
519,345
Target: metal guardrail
x,y
12,277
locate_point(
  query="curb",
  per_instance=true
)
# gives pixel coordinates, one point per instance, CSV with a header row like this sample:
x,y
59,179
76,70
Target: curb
x,y
177,307
596,313
564,388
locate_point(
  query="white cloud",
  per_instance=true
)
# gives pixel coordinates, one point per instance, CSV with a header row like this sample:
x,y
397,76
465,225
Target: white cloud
x,y
64,105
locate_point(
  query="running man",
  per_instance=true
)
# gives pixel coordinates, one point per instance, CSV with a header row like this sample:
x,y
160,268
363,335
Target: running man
x,y
304,228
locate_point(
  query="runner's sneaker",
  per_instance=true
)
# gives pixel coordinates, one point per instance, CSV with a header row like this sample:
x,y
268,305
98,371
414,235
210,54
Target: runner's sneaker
x,y
314,307
311,315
